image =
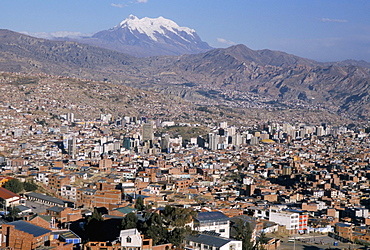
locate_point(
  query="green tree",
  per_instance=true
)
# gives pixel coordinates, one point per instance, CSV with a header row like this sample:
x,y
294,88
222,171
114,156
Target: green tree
x,y
261,241
139,204
13,213
129,221
244,233
30,186
176,216
94,226
14,185
176,237
154,229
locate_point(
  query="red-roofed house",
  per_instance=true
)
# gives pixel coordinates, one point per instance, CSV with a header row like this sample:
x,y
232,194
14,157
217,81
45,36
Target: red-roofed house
x,y
8,198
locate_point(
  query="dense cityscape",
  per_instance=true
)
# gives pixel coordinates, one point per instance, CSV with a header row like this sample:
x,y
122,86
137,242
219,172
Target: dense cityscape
x,y
80,176
122,129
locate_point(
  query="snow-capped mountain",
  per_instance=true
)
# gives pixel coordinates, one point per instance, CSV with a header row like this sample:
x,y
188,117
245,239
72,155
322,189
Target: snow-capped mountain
x,y
149,37
154,28
139,37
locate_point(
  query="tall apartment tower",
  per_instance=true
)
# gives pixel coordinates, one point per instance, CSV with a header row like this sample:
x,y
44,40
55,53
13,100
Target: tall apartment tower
x,y
71,117
213,140
148,131
69,143
165,142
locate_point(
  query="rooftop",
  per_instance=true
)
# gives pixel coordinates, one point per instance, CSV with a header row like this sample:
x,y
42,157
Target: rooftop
x,y
209,240
211,216
29,228
47,198
6,194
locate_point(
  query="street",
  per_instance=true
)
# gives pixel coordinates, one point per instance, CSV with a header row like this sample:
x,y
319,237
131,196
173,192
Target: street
x,y
314,242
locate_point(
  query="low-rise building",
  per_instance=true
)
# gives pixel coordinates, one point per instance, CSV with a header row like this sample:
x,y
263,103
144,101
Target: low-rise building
x,y
211,242
295,221
8,198
212,221
131,239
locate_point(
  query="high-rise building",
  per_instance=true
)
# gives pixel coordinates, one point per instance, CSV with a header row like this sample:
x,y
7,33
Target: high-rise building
x,y
236,139
287,170
69,144
165,142
127,143
200,141
127,119
320,131
231,131
223,125
71,117
213,140
105,118
254,140
249,189
148,131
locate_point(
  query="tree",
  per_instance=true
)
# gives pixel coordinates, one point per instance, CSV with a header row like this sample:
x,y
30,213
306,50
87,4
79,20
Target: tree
x,y
244,233
261,241
176,216
129,221
94,226
13,212
30,186
14,185
177,236
139,204
154,229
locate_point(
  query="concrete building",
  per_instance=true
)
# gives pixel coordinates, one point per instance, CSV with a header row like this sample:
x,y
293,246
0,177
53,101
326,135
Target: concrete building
x,y
8,198
148,131
131,239
211,242
295,221
212,221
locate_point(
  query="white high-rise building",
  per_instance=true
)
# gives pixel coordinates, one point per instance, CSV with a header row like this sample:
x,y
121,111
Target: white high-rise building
x,y
223,125
213,141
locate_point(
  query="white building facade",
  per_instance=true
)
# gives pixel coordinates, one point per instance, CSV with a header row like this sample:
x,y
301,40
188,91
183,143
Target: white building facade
x,y
214,222
131,239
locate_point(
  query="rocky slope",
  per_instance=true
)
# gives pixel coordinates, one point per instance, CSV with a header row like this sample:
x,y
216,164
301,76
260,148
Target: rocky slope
x,y
234,77
237,74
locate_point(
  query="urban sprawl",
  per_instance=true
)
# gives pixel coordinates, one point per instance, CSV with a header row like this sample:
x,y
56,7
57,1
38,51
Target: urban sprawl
x,y
116,183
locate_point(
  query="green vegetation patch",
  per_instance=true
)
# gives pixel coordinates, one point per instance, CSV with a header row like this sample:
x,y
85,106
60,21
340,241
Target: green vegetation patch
x,y
184,131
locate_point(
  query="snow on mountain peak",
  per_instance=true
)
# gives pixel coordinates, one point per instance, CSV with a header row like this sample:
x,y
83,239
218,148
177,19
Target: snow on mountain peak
x,y
151,26
131,17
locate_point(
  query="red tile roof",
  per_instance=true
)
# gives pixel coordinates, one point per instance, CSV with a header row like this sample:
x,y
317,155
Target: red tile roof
x,y
6,194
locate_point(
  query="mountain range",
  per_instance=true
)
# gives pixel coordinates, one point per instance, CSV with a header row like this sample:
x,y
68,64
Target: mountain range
x,y
146,37
235,77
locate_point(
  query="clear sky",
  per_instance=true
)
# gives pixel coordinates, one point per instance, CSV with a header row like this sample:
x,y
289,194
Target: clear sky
x,y
323,30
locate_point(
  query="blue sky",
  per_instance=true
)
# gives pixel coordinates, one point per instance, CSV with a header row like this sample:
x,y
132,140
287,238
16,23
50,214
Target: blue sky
x,y
323,30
